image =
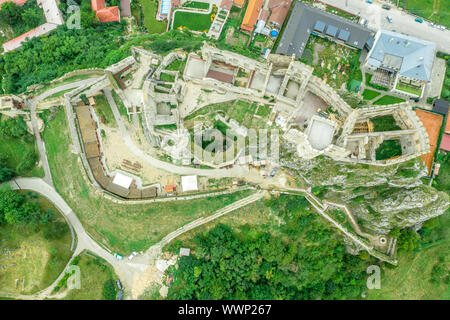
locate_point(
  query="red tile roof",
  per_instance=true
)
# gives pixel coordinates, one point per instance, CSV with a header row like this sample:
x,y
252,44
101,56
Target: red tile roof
x,y
239,3
98,4
280,9
108,14
18,2
36,32
251,14
226,4
445,143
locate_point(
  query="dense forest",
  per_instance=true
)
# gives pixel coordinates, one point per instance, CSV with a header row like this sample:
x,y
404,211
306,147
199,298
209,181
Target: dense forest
x,y
21,18
306,261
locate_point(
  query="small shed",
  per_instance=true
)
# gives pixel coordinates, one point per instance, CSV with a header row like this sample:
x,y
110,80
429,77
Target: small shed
x,y
189,183
185,252
92,101
122,180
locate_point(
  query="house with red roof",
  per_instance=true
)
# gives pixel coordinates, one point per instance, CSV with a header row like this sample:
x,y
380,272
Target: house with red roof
x,y
104,13
445,142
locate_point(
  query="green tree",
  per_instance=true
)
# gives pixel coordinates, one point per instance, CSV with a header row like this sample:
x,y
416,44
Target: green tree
x,y
109,290
10,13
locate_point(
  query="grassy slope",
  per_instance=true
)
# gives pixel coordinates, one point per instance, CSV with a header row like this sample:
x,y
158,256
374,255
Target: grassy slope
x,y
15,150
370,94
425,9
193,21
94,273
385,100
104,111
411,278
122,227
150,8
40,267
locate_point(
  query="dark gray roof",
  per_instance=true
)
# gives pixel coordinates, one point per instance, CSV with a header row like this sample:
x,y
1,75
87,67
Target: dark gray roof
x,y
320,26
302,22
331,31
344,35
440,106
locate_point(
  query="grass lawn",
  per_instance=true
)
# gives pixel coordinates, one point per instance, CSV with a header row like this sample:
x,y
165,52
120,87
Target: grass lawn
x,y
196,5
330,60
192,20
385,100
122,227
34,260
177,65
18,149
104,112
434,10
95,272
263,111
384,123
388,149
150,7
370,94
120,105
442,181
408,89
411,278
166,77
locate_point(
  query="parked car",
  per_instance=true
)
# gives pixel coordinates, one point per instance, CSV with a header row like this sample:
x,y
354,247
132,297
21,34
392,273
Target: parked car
x,y
389,19
274,172
120,296
369,1
118,256
418,20
414,99
119,285
386,7
134,254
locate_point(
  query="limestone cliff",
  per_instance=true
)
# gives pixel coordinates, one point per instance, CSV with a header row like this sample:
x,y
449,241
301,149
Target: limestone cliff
x,y
380,197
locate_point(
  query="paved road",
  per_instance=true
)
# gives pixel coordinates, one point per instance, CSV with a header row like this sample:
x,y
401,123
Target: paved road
x,y
32,104
401,21
126,269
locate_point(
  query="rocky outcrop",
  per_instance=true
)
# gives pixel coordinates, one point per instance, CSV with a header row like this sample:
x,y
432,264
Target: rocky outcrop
x,y
380,197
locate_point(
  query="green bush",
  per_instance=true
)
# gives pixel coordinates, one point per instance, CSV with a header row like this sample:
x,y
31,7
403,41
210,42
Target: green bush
x,y
109,290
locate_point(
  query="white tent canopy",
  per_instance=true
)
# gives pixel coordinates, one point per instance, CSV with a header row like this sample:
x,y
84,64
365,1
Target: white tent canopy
x,y
122,180
189,183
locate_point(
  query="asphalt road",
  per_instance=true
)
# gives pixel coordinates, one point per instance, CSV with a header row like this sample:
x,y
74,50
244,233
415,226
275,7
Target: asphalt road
x,y
401,21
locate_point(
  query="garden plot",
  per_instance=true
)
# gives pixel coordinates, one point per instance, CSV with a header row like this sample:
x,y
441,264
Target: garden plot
x,y
332,62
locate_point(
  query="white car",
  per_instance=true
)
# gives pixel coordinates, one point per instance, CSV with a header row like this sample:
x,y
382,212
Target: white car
x,y
134,254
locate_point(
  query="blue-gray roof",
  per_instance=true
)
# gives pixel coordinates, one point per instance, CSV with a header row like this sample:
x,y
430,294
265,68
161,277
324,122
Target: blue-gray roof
x,y
331,31
320,26
417,55
344,35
